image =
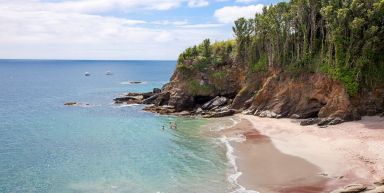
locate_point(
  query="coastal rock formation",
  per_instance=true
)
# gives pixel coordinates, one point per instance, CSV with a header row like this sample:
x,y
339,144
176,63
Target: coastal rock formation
x,y
314,97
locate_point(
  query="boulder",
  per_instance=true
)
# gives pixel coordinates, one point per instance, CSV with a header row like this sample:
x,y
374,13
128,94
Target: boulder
x,y
268,114
156,90
325,122
352,188
129,99
199,111
330,121
336,121
216,102
310,121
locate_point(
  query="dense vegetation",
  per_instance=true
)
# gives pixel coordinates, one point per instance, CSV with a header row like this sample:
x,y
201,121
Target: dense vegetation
x,y
341,38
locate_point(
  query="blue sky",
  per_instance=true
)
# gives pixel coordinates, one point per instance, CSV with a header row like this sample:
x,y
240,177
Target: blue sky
x,y
115,29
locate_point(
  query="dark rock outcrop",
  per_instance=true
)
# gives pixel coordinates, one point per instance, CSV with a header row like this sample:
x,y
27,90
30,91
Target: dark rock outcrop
x,y
310,121
215,103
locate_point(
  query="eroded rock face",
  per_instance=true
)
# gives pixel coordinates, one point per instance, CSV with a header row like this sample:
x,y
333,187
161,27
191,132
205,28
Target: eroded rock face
x,y
313,97
308,96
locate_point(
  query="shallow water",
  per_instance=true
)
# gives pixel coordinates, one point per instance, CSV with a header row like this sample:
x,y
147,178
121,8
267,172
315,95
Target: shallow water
x,y
48,147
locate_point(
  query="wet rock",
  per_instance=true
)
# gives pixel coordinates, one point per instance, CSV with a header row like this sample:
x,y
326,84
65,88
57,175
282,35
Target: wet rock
x,y
268,114
336,121
330,121
352,188
165,109
156,90
311,121
199,111
295,116
325,122
135,82
214,103
129,99
220,114
144,95
183,113
70,103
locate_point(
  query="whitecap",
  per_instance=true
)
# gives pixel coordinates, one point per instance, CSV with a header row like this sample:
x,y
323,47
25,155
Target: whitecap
x,y
133,82
127,105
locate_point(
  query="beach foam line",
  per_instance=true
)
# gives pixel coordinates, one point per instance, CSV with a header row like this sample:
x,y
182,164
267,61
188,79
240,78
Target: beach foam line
x,y
223,127
232,178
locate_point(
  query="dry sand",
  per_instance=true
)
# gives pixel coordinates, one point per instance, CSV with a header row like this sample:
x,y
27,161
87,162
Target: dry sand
x,y
279,155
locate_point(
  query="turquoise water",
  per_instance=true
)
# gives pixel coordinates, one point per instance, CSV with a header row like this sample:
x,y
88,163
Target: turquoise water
x,y
48,147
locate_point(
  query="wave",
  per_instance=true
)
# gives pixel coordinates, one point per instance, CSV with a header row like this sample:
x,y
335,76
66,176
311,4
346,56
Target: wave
x,y
127,105
233,178
133,82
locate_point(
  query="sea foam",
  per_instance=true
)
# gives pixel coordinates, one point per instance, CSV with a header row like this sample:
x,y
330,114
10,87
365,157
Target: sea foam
x,y
233,178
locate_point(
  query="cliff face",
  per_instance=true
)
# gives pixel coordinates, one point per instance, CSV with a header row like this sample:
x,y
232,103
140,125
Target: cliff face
x,y
226,89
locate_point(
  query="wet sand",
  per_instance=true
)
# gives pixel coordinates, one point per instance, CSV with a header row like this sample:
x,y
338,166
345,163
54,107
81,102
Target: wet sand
x,y
279,155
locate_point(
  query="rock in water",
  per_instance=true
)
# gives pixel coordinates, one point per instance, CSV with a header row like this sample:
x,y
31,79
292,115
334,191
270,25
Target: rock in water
x,y
156,90
70,103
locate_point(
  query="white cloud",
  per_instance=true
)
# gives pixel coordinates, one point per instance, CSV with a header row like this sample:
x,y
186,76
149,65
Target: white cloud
x,y
246,1
34,29
210,25
198,3
231,13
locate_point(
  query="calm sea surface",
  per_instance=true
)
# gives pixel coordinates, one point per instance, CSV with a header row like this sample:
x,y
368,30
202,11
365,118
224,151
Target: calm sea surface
x,y
46,147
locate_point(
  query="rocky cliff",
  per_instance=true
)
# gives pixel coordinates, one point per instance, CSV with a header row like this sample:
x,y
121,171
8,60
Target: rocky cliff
x,y
225,89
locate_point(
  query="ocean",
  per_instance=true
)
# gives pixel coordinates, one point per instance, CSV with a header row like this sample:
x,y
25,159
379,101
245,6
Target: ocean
x,y
46,147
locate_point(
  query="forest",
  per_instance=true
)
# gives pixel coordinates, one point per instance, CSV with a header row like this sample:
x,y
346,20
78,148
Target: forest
x,y
343,39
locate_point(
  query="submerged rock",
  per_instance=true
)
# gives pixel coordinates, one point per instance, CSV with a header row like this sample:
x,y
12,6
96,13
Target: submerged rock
x,y
70,103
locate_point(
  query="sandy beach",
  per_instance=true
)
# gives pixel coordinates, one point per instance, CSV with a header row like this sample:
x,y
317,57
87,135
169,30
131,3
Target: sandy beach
x,y
279,155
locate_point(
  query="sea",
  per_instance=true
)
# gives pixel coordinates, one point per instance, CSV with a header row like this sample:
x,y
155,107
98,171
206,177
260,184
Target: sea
x,y
98,146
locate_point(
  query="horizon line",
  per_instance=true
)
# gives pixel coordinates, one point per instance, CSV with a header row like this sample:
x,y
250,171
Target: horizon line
x,y
88,59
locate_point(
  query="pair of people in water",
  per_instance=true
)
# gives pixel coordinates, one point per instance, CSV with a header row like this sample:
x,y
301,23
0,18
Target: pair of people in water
x,y
172,125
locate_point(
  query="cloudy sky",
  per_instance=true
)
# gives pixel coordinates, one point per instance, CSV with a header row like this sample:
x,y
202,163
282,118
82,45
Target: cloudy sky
x,y
115,29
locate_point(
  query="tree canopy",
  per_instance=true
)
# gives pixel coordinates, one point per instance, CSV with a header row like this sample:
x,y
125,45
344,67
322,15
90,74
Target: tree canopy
x,y
341,38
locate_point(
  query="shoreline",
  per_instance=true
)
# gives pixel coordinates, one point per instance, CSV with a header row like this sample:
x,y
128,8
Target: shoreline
x,y
279,155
